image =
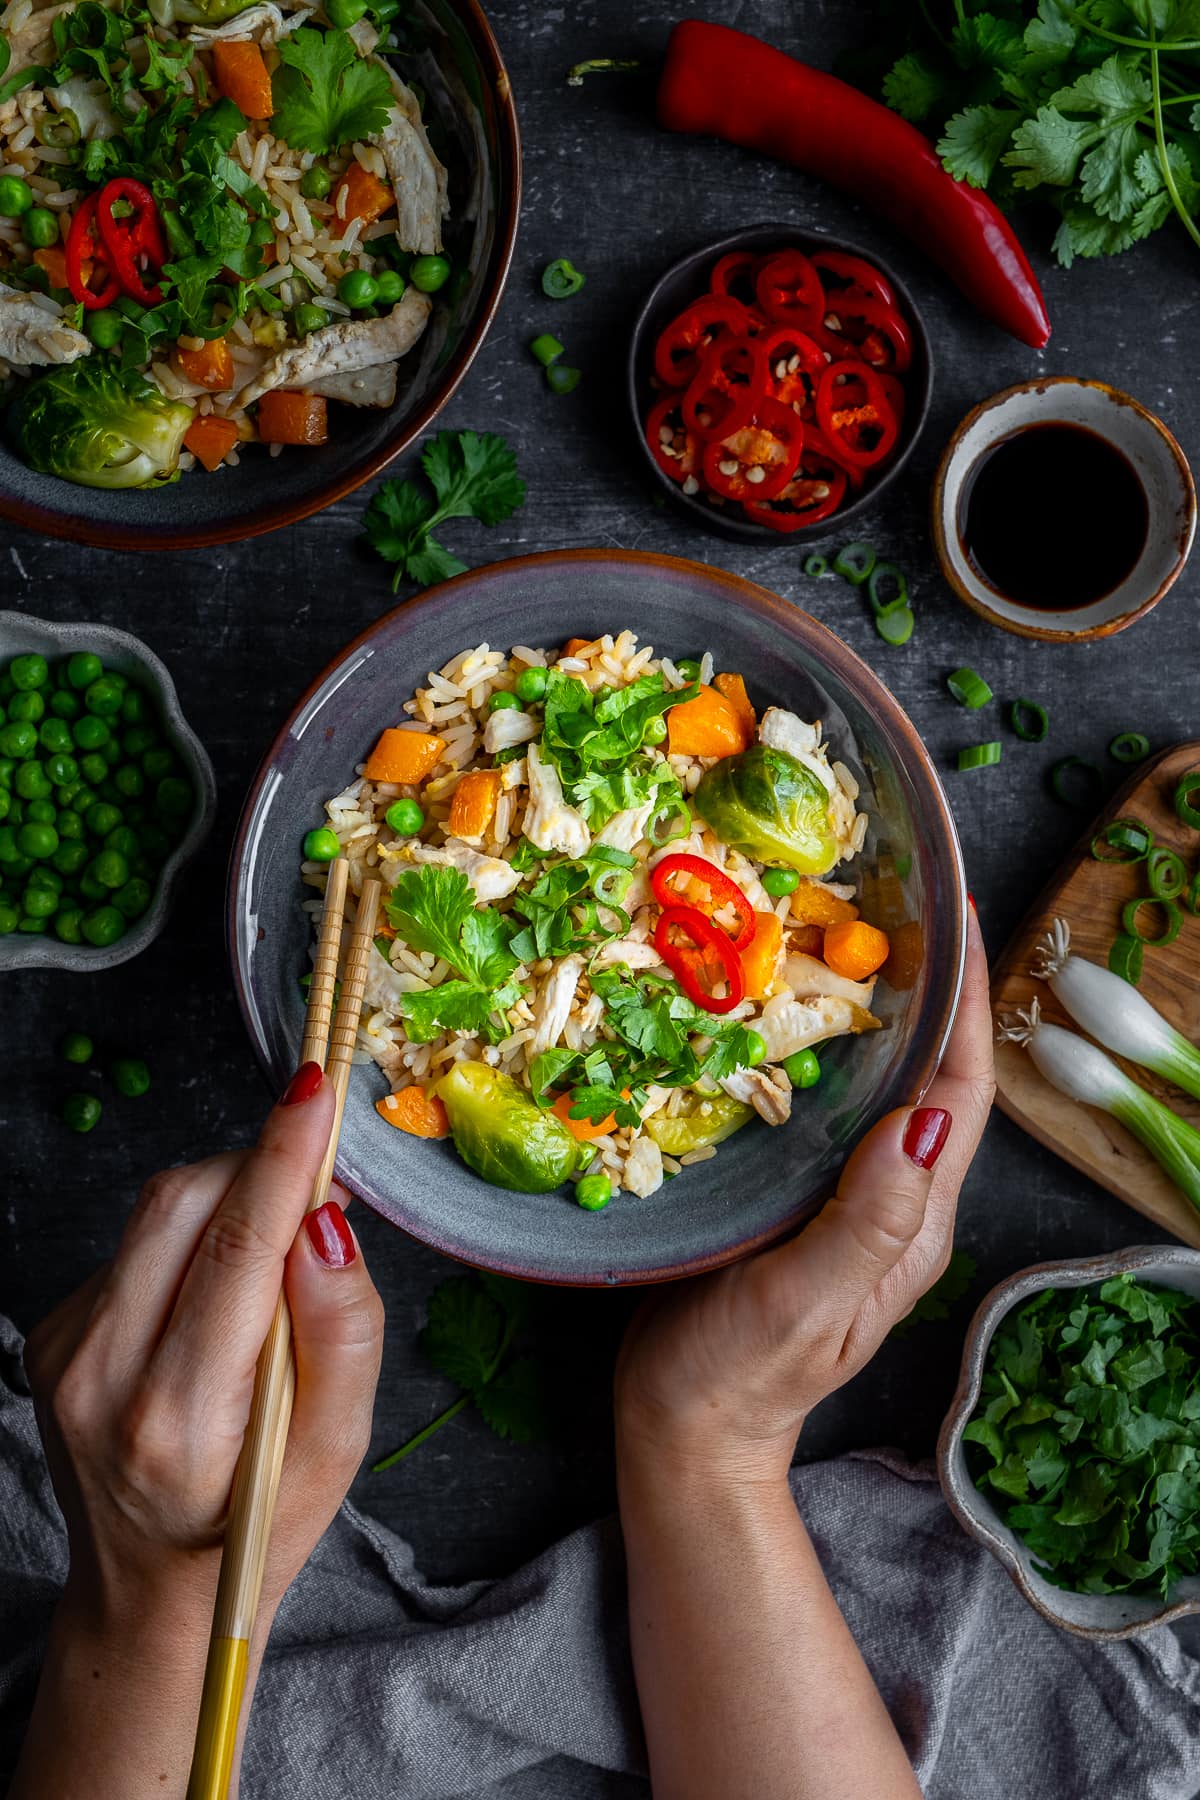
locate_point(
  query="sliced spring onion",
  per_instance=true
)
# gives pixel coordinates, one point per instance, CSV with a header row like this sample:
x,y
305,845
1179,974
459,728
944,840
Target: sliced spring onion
x,y
1193,897
1125,958
815,565
980,756
1031,729
1131,911
1064,771
1166,873
668,822
880,599
1129,747
58,131
1186,795
969,689
547,349
854,563
562,380
1127,839
561,279
5,54
1124,1023
895,626
598,65
34,75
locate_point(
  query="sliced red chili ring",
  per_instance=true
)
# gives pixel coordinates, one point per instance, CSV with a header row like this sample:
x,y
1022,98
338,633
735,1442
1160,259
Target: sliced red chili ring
x,y
852,271
722,890
735,272
848,437
800,504
681,460
820,449
731,380
132,239
789,289
785,345
687,961
84,247
679,349
882,323
757,461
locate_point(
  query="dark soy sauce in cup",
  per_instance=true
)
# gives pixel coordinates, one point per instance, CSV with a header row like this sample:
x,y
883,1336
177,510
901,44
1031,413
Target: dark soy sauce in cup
x,y
1053,517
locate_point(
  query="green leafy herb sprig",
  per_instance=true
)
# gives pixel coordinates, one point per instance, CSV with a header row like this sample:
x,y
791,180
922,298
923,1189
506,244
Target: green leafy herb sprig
x,y
473,1335
433,909
1094,108
473,476
1087,1434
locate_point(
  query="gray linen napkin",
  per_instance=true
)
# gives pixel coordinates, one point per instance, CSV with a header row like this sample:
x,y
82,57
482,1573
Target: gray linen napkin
x,y
378,1685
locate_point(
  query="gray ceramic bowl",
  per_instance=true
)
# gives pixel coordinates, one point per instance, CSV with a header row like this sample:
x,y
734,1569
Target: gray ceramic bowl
x,y
763,1182
20,634
684,282
1089,1615
451,52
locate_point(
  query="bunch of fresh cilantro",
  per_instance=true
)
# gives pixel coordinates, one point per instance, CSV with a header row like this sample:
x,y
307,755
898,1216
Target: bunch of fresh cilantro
x,y
1087,1434
1091,107
473,476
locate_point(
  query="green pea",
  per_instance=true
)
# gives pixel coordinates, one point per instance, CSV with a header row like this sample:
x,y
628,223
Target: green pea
x,y
76,1047
174,797
30,707
39,227
7,771
31,783
802,1068
504,701
29,672
135,707
101,818
689,668
9,918
41,875
321,844
358,289
391,285
38,840
105,328
63,771
65,705
138,740
530,685
129,781
133,899
404,817
55,735
158,763
103,696
655,731
90,888
8,844
123,841
308,318
104,926
778,882
83,668
111,869
39,902
71,857
429,273
16,197
756,1048
93,768
67,923
69,824
593,1192
18,738
111,752
41,812
316,183
90,733
32,926
130,1077
81,1112
344,13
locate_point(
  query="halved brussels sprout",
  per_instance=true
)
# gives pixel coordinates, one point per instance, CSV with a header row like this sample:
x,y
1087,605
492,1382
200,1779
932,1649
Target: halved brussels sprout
x,y
99,426
501,1134
696,1129
769,806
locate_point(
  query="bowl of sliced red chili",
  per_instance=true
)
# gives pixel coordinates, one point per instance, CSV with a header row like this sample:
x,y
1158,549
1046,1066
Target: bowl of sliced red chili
x,y
778,380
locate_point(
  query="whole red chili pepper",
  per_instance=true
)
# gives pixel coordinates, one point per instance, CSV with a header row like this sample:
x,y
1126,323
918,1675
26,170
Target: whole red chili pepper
x,y
686,962
83,246
133,238
722,890
723,83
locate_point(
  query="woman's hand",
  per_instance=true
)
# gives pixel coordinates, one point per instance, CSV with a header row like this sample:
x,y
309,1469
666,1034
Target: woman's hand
x,y
142,1383
728,1367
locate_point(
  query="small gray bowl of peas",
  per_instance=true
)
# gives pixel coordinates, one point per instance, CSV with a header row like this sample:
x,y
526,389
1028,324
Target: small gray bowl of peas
x,y
106,793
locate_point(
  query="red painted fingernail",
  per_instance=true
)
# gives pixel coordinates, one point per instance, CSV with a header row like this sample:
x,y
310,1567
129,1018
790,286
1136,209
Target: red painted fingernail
x,y
330,1236
304,1084
971,898
925,1135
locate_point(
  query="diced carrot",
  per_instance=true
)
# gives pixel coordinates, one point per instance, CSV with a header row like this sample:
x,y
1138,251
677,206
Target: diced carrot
x,y
367,198
242,77
210,440
813,904
709,725
734,690
385,929
855,949
209,367
53,259
404,756
288,418
906,956
808,940
573,646
760,957
584,1130
473,806
415,1111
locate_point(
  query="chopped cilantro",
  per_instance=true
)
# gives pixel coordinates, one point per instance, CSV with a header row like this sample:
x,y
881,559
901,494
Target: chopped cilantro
x,y
325,94
433,909
595,742
473,475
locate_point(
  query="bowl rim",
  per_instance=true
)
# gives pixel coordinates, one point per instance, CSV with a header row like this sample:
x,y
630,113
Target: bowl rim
x,y
973,1510
51,953
1039,384
350,477
846,664
731,527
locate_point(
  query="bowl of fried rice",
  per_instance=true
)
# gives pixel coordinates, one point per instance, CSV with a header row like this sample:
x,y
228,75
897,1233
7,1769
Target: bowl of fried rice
x,y
248,250
673,909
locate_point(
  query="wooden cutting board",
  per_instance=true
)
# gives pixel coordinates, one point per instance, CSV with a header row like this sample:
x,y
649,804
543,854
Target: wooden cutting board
x,y
1089,896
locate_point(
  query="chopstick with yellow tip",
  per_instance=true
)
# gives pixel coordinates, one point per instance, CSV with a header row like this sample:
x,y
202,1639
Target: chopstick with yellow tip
x,y
256,1480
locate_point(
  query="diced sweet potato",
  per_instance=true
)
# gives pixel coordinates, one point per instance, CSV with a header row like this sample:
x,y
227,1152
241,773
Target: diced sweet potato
x,y
289,418
473,806
404,757
366,197
210,440
415,1111
209,367
242,77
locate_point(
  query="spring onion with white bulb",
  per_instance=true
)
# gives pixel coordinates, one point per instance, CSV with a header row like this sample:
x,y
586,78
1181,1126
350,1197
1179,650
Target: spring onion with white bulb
x,y
1077,1069
1114,1013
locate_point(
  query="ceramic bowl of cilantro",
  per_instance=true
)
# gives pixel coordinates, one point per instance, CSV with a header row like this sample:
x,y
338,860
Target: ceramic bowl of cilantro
x,y
1072,1448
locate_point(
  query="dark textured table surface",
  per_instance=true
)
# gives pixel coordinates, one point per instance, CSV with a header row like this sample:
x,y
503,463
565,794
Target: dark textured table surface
x,y
245,628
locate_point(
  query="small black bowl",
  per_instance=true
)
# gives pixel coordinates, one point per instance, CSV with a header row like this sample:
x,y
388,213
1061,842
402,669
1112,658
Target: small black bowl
x,y
686,281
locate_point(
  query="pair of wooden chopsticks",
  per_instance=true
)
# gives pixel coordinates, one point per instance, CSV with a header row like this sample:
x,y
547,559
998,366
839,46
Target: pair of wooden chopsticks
x,y
256,1481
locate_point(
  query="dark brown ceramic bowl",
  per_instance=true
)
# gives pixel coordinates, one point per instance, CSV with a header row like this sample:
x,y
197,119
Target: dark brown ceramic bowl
x,y
684,282
469,98
762,1183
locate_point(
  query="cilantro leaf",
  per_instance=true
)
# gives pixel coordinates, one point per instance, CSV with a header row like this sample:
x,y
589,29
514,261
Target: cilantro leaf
x,y
464,1332
973,141
433,909
473,476
397,520
935,1304
514,1403
915,87
451,1006
429,906
325,94
1048,148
